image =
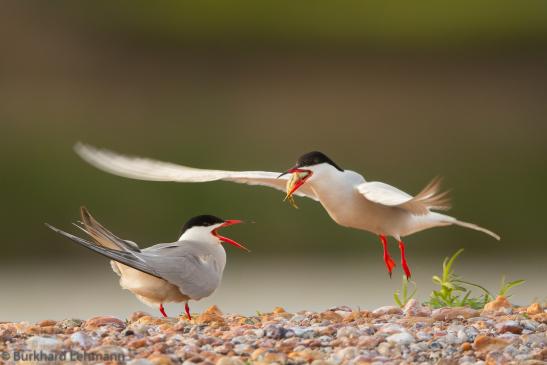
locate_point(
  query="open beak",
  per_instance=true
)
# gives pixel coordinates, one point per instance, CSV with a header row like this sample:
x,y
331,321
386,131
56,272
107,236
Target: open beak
x,y
297,181
290,171
227,223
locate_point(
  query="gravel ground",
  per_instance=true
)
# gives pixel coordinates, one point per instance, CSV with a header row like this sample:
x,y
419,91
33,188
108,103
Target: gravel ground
x,y
500,334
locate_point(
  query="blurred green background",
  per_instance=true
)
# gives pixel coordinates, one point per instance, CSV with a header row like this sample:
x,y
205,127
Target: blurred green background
x,y
398,91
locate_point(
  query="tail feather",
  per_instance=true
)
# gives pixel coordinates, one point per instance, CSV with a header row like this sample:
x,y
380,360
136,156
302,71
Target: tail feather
x,y
476,228
432,197
127,258
103,236
442,219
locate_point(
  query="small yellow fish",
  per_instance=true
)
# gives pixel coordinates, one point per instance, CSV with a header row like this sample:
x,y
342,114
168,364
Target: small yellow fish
x,y
295,178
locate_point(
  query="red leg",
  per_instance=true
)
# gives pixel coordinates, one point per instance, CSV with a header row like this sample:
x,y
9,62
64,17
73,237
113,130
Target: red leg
x,y
390,264
187,310
163,311
403,260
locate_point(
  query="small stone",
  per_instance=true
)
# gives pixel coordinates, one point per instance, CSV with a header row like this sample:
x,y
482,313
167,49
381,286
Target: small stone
x,y
448,314
213,310
160,360
7,332
484,344
97,322
38,343
230,360
69,323
321,362
347,331
243,349
388,309
500,305
466,346
331,316
136,315
303,332
278,310
46,323
384,348
467,334
277,357
509,326
151,321
275,331
211,315
135,344
534,308
109,350
413,308
140,362
391,328
529,325
83,339
402,338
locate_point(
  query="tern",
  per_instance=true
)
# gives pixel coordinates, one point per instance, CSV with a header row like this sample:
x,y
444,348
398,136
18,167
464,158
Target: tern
x,y
188,269
348,198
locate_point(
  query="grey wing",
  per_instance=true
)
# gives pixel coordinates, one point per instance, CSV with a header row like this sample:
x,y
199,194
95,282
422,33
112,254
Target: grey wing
x,y
194,274
153,170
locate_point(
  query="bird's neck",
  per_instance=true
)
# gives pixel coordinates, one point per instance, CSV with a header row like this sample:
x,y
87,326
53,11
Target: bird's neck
x,y
199,234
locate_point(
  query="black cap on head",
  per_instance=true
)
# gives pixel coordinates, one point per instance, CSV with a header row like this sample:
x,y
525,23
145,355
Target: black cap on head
x,y
205,220
315,158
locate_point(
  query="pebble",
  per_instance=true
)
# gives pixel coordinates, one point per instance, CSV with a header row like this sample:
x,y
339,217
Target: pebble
x,y
534,308
69,323
402,338
38,343
389,309
509,326
500,305
413,308
338,336
97,322
83,339
448,314
230,360
140,362
485,344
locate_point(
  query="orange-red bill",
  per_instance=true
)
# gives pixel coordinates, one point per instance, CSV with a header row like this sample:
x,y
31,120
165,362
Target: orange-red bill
x,y
227,223
301,181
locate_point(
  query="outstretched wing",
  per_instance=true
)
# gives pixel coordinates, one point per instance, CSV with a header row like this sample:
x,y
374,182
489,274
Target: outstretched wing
x,y
429,198
153,170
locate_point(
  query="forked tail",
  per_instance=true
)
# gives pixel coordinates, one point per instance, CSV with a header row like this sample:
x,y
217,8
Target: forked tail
x,y
446,219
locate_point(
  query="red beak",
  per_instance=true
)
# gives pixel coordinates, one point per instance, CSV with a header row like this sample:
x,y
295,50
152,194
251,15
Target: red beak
x,y
227,223
300,182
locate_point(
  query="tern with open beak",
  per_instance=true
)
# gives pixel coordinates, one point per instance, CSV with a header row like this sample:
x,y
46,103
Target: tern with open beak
x,y
188,269
348,198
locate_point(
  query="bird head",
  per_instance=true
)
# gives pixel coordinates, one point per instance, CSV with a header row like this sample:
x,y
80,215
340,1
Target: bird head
x,y
202,227
308,167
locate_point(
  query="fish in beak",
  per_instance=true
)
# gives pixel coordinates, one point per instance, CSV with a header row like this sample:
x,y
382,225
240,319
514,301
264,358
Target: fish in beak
x,y
298,178
227,223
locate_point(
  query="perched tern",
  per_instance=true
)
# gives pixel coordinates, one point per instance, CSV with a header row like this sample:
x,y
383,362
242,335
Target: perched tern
x,y
190,268
348,198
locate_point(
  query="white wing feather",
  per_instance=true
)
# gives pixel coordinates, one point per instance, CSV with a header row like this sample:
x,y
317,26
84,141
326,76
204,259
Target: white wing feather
x,y
429,198
153,170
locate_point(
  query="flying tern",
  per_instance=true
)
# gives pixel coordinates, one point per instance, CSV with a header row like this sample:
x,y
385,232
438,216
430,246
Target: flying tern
x,y
189,269
348,198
